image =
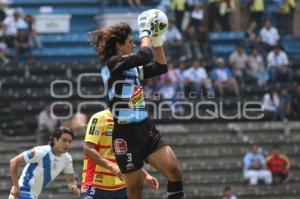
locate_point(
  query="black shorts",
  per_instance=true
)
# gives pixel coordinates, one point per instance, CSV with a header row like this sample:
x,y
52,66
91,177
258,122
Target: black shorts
x,y
134,142
279,177
89,192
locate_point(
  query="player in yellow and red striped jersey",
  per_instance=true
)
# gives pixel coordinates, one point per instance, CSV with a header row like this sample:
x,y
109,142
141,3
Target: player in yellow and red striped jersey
x,y
101,176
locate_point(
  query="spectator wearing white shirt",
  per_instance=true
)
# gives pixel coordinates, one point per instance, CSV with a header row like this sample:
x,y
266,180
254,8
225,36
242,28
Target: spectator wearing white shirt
x,y
271,105
239,63
173,41
197,15
11,24
46,125
255,166
278,65
196,78
269,35
222,77
257,70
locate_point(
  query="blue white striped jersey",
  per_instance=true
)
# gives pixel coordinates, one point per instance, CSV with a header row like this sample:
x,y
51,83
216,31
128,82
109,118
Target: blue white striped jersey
x,y
42,167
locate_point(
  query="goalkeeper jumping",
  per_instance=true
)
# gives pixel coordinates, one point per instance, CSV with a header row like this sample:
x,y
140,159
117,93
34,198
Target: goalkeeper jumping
x,y
135,138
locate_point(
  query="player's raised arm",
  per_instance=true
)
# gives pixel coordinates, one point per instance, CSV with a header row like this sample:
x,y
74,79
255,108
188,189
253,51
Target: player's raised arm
x,y
159,66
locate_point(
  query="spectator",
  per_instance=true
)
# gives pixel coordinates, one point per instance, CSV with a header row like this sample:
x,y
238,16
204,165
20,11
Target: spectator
x,y
239,63
271,105
46,125
295,106
203,41
197,15
191,45
285,103
220,11
227,193
226,8
269,35
257,68
255,167
290,21
23,44
278,65
11,24
213,14
178,6
79,122
3,51
251,32
283,16
222,77
176,77
196,78
256,11
279,165
34,39
173,41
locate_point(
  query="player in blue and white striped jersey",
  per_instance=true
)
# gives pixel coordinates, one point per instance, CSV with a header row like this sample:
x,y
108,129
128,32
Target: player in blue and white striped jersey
x,y
43,165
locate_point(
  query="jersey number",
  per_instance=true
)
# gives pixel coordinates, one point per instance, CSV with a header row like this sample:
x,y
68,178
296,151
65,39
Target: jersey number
x,y
93,126
129,157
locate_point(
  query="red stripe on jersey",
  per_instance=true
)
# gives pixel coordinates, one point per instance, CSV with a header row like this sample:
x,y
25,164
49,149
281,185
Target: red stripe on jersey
x,y
110,187
105,146
89,172
108,120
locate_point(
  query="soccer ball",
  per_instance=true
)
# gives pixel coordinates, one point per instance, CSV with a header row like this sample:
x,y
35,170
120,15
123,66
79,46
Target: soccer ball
x,y
160,23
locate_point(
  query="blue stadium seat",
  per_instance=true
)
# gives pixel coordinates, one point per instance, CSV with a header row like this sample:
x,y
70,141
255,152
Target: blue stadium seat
x,y
223,49
226,37
59,52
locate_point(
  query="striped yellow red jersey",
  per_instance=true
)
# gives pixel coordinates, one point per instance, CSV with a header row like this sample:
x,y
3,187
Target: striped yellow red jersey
x,y
99,132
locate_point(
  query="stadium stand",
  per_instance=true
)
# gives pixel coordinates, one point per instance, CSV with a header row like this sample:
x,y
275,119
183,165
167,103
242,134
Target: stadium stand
x,y
210,153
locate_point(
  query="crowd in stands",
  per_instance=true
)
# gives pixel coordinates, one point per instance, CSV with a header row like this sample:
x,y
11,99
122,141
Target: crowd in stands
x,y
18,37
258,60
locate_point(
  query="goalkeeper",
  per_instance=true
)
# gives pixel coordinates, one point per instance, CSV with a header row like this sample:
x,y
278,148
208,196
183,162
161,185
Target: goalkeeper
x,y
135,138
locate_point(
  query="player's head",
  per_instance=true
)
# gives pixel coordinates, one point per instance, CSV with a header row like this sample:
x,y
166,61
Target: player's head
x,y
111,41
254,148
276,150
61,139
227,191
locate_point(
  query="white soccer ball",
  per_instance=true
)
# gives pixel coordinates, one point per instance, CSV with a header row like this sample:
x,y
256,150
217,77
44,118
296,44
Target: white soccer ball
x,y
160,24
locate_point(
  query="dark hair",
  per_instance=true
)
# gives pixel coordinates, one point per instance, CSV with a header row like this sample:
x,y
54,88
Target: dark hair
x,y
276,146
227,188
105,39
58,133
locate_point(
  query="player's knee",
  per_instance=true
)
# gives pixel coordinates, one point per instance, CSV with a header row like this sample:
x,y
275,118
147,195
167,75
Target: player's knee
x,y
176,172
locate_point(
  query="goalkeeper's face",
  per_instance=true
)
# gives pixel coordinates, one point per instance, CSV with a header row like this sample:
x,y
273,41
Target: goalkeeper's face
x,y
127,47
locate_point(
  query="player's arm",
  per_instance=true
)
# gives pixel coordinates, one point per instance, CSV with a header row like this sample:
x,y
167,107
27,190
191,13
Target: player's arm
x,y
15,164
72,183
150,180
159,66
92,138
91,152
